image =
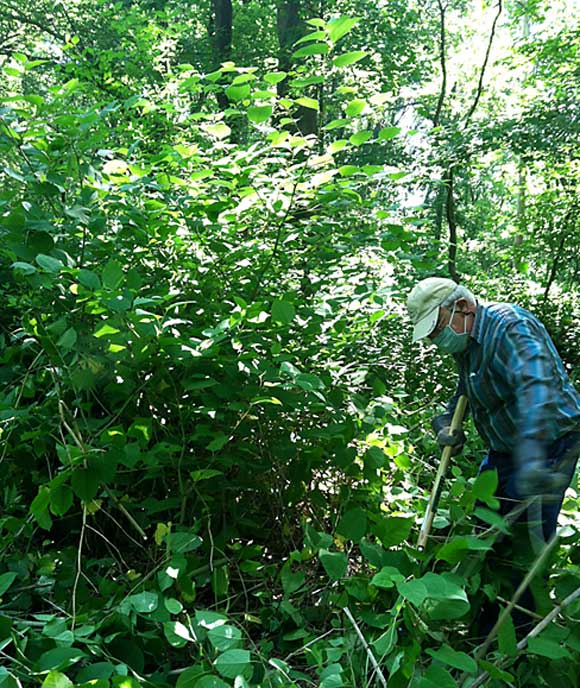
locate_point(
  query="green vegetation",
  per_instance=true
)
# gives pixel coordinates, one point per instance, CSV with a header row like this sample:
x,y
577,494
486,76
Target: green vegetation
x,y
215,449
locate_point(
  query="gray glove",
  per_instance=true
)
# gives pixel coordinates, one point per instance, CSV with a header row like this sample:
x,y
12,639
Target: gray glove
x,y
445,438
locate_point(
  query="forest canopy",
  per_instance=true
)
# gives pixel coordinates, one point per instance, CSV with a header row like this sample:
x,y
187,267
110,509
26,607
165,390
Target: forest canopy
x,y
215,442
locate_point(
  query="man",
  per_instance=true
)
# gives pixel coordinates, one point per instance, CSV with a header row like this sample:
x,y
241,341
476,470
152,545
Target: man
x,y
519,395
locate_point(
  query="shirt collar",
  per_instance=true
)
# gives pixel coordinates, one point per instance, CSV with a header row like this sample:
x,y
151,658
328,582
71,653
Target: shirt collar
x,y
478,321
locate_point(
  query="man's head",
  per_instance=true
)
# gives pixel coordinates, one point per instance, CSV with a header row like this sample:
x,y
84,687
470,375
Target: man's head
x,y
436,303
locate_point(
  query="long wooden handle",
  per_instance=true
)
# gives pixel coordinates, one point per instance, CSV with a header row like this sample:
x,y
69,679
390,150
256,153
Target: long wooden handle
x,y
456,422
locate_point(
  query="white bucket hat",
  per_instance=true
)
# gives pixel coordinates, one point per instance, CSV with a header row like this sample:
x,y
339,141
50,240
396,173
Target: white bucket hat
x,y
424,301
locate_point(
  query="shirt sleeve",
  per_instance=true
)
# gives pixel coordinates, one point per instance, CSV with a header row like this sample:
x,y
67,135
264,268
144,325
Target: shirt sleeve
x,y
531,373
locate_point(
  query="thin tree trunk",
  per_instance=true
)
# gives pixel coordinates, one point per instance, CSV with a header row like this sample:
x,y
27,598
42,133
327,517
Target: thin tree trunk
x,y
451,223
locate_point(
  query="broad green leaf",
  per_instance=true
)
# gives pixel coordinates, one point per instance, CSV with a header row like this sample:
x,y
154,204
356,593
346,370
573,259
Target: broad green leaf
x,y
349,58
59,658
85,483
547,648
274,78
89,279
112,274
455,659
39,508
484,488
224,637
309,103
238,92
233,662
259,113
393,530
24,268
355,107
337,146
283,312
336,124
335,563
94,672
177,634
6,580
389,133
219,441
437,676
312,49
219,130
144,602
353,524
55,679
340,26
189,678
506,637
68,339
387,577
211,682
348,170
49,263
360,137
61,500
314,36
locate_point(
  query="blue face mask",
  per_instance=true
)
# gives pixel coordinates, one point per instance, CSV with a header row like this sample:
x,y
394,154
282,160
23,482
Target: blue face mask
x,y
450,341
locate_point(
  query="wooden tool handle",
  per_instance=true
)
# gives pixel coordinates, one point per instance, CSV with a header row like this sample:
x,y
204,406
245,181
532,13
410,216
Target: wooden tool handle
x,y
436,491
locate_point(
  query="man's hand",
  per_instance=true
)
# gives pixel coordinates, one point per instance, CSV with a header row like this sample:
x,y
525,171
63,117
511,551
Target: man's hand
x,y
446,438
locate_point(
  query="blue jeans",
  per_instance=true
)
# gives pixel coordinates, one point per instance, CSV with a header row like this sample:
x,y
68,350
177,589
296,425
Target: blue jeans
x,y
562,456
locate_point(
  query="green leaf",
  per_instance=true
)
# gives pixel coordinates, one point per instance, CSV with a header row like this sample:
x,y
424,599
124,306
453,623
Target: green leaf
x,y
172,605
274,78
211,682
389,133
393,530
360,137
283,312
340,26
24,268
85,483
312,49
441,594
49,263
232,663
205,474
59,658
506,637
335,563
177,634
55,679
547,648
104,330
224,637
144,602
259,113
387,577
349,58
6,580
219,130
484,488
309,103
355,107
238,92
112,274
89,279
68,339
337,146
61,499
94,672
353,524
39,508
453,658
189,678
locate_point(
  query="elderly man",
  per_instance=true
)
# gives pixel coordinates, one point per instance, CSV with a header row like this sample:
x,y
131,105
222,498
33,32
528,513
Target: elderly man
x,y
519,395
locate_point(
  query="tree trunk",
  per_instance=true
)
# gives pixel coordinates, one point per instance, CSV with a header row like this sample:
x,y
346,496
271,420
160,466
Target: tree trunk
x,y
220,32
451,223
290,28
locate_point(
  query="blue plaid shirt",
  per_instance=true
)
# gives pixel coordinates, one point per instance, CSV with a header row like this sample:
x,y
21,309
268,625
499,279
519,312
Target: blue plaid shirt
x,y
514,380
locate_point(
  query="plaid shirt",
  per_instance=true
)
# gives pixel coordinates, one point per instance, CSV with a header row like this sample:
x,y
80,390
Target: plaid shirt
x,y
515,380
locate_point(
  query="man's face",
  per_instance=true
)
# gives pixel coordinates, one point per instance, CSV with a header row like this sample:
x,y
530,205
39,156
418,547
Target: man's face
x,y
460,322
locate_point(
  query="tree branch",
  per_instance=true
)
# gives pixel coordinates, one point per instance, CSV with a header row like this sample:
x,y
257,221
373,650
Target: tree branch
x,y
479,89
442,59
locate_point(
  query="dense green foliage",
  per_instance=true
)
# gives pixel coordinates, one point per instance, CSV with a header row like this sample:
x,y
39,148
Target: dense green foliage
x,y
215,449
